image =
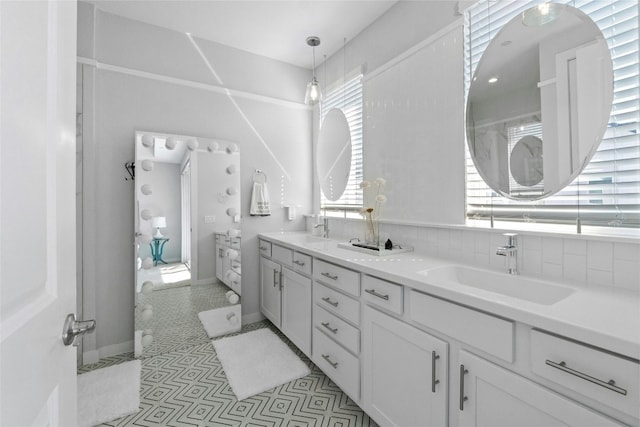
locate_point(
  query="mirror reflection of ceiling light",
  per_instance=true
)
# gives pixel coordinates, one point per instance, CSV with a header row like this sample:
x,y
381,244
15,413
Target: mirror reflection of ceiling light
x,y
540,15
493,80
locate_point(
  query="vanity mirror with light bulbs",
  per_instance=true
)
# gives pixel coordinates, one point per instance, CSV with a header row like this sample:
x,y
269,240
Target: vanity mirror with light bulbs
x,y
187,195
539,102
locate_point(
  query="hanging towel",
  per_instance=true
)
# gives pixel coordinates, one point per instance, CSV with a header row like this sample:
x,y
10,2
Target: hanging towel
x,y
260,200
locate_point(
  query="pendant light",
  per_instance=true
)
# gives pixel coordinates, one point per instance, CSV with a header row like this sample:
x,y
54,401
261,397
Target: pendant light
x,y
313,94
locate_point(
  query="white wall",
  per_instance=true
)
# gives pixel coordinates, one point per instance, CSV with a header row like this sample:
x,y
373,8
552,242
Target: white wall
x,y
117,103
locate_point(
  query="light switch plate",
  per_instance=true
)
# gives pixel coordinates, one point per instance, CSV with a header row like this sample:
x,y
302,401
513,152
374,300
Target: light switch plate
x,y
209,219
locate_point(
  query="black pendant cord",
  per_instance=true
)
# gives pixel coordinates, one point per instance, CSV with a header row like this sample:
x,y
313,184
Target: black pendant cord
x,y
131,170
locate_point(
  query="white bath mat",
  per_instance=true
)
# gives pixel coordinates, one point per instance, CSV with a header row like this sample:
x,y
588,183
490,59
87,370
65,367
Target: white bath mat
x,y
258,361
108,393
221,321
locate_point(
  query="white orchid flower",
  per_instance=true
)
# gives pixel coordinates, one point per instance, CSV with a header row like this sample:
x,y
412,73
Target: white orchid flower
x,y
365,184
381,198
380,181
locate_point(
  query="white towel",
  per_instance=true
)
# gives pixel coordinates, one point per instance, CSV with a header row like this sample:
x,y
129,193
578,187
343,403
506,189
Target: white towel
x,y
260,205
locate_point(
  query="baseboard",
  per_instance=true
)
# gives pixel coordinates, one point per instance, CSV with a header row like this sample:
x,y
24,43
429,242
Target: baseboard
x,y
93,356
252,318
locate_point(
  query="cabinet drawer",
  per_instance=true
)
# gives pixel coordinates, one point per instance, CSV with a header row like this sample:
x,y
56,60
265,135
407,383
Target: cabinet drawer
x,y
342,278
302,263
282,255
599,375
339,365
264,247
335,302
336,328
382,293
483,331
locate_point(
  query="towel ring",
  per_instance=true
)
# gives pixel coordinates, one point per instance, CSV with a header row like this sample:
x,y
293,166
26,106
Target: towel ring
x,y
257,173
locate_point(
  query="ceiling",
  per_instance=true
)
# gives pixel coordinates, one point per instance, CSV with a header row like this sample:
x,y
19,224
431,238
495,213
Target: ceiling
x,y
271,28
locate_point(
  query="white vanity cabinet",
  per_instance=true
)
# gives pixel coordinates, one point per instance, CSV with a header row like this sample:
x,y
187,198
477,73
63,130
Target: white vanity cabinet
x,y
404,370
489,395
285,294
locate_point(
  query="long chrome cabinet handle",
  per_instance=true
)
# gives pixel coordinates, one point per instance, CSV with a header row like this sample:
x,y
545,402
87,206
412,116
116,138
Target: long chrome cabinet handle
x,y
281,280
610,385
275,278
326,325
328,301
334,364
300,263
434,381
330,276
376,294
463,398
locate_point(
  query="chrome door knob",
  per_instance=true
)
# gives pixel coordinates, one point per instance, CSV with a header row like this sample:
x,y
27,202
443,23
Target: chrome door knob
x,y
73,328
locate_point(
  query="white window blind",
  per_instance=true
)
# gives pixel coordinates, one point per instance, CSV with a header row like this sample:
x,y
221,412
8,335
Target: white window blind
x,y
607,192
348,98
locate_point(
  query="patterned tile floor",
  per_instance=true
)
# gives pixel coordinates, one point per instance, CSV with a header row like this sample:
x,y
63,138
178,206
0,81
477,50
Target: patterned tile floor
x,y
186,386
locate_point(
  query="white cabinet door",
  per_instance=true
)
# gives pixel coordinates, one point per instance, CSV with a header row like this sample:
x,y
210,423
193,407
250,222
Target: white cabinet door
x,y
270,290
404,373
296,309
492,396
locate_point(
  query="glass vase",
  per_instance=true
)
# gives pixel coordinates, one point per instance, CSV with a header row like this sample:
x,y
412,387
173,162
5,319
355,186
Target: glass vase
x,y
371,231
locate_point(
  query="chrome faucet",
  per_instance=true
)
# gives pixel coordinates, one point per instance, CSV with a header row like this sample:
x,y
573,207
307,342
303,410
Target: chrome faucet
x,y
510,250
325,227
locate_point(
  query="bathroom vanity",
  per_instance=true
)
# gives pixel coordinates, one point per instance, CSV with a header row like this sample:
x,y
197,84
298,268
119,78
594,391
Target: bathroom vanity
x,y
417,340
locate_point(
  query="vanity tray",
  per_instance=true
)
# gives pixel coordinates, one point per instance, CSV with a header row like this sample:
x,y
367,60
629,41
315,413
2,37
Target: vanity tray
x,y
372,250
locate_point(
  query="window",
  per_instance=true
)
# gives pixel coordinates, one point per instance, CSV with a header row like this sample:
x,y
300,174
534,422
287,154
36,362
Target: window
x,y
348,98
607,192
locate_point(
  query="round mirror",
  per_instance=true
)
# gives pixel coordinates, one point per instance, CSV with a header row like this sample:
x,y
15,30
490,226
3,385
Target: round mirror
x,y
539,102
334,154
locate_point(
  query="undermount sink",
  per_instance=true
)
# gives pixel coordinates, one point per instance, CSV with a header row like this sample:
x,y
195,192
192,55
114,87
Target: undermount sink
x,y
532,290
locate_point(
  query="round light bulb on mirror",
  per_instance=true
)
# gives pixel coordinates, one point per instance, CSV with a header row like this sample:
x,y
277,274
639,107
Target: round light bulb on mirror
x,y
146,314
231,169
146,214
212,146
146,189
192,144
147,141
232,191
232,212
171,143
147,287
145,238
147,263
147,340
147,165
232,148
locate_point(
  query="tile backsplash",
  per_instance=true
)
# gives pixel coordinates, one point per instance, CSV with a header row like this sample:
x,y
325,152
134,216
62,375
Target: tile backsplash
x,y
581,260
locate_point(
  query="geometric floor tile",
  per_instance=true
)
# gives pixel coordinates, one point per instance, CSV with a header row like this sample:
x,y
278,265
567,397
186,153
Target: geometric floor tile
x,y
188,387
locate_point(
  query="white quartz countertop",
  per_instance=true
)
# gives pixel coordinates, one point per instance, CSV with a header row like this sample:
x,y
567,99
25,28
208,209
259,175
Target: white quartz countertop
x,y
608,318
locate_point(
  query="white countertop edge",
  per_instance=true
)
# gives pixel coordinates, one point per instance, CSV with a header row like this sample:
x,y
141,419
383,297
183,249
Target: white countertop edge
x,y
596,317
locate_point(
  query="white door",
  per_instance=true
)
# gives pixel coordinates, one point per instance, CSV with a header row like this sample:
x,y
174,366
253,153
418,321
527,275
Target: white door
x,y
270,279
398,357
37,211
492,396
296,300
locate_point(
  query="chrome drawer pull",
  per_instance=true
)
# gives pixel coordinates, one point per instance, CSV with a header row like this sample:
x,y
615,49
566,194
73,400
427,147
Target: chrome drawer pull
x,y
300,263
328,301
375,294
263,248
330,276
434,381
334,364
611,384
326,325
463,398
